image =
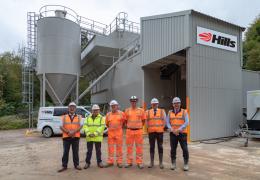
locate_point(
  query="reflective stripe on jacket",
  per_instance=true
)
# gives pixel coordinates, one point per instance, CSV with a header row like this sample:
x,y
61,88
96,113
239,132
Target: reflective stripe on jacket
x,y
135,118
177,120
115,121
71,125
155,123
94,126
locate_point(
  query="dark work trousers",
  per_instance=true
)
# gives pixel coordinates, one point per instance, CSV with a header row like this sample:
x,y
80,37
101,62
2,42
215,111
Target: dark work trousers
x,y
67,142
182,139
90,149
155,136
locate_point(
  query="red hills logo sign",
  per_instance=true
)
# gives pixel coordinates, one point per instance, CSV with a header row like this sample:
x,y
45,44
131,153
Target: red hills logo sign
x,y
205,36
216,39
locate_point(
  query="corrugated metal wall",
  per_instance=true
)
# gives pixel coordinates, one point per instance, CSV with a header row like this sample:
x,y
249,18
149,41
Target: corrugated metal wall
x,y
250,82
163,36
214,83
124,81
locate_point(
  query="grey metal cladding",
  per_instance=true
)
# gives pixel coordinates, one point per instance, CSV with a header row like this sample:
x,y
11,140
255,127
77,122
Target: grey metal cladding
x,y
163,36
214,85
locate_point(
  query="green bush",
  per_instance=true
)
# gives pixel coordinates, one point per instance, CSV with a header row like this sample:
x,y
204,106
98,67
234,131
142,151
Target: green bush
x,y
12,122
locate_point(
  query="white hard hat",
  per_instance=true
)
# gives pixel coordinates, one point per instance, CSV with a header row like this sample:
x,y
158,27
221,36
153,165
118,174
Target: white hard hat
x,y
72,104
95,107
154,101
176,100
113,102
133,98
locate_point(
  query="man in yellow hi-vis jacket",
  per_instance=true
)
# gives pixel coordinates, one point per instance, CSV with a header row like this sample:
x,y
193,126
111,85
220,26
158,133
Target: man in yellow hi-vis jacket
x,y
94,126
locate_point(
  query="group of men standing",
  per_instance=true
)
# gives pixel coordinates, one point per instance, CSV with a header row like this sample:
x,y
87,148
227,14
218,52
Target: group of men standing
x,y
134,119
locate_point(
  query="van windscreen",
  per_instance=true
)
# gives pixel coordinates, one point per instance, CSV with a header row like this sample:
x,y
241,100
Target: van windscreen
x,y
60,111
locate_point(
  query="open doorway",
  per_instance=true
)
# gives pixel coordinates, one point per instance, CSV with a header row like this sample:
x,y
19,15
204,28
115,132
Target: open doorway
x,y
165,79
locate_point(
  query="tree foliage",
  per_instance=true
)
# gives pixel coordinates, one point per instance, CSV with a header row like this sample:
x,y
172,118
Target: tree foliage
x,y
251,46
10,83
11,86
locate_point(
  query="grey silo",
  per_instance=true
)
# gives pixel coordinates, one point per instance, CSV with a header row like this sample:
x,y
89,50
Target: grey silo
x,y
58,55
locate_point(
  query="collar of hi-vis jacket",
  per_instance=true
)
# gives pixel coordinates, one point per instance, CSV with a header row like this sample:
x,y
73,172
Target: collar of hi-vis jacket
x,y
72,116
176,111
98,116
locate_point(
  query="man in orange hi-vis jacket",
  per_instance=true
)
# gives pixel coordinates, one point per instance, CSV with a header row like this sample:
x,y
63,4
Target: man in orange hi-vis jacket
x,y
71,125
135,119
114,121
156,120
177,122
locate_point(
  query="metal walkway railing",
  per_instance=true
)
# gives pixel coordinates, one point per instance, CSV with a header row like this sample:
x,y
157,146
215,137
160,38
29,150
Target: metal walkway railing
x,y
121,21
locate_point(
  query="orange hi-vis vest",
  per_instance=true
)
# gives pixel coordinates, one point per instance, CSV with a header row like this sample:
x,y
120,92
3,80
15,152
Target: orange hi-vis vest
x,y
177,120
155,123
134,118
71,125
114,121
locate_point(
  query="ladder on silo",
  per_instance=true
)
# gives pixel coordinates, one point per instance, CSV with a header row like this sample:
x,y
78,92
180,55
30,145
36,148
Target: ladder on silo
x,y
28,65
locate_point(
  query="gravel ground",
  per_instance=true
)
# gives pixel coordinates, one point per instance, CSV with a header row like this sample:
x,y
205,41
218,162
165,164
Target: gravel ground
x,y
35,157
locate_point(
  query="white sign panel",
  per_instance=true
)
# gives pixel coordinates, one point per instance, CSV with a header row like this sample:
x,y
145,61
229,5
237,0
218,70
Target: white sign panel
x,y
216,39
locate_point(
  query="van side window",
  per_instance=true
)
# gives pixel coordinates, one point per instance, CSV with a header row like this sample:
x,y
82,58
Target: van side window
x,y
81,112
60,111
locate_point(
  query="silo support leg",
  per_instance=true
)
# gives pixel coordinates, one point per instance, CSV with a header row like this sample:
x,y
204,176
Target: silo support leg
x,y
77,90
43,89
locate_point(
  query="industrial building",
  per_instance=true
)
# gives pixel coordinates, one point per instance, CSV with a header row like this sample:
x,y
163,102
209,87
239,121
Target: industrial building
x,y
187,54
169,62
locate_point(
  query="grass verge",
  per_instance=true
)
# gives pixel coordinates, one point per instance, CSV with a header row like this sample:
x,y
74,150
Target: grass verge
x,y
12,122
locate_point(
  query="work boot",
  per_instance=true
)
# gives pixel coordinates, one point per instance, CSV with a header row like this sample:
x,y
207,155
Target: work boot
x,y
108,165
100,165
128,165
78,168
186,166
87,165
161,161
62,169
173,166
140,166
152,161
119,165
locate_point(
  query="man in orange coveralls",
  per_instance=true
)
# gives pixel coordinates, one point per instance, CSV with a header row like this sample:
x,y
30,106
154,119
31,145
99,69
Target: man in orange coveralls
x,y
114,121
135,119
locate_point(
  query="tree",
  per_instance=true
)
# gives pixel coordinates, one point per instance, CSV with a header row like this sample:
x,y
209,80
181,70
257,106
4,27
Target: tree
x,y
10,83
251,46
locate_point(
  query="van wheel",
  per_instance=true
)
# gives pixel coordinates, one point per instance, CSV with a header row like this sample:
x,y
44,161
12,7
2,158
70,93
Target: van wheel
x,y
47,132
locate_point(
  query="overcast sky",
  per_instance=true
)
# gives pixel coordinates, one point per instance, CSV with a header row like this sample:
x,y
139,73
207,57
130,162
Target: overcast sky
x,y
13,12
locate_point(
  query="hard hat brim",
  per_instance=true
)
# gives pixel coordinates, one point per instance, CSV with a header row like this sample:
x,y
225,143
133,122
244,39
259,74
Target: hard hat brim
x,y
175,102
96,109
133,100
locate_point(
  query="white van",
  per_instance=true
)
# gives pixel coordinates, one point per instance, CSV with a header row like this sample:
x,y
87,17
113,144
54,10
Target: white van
x,y
49,119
